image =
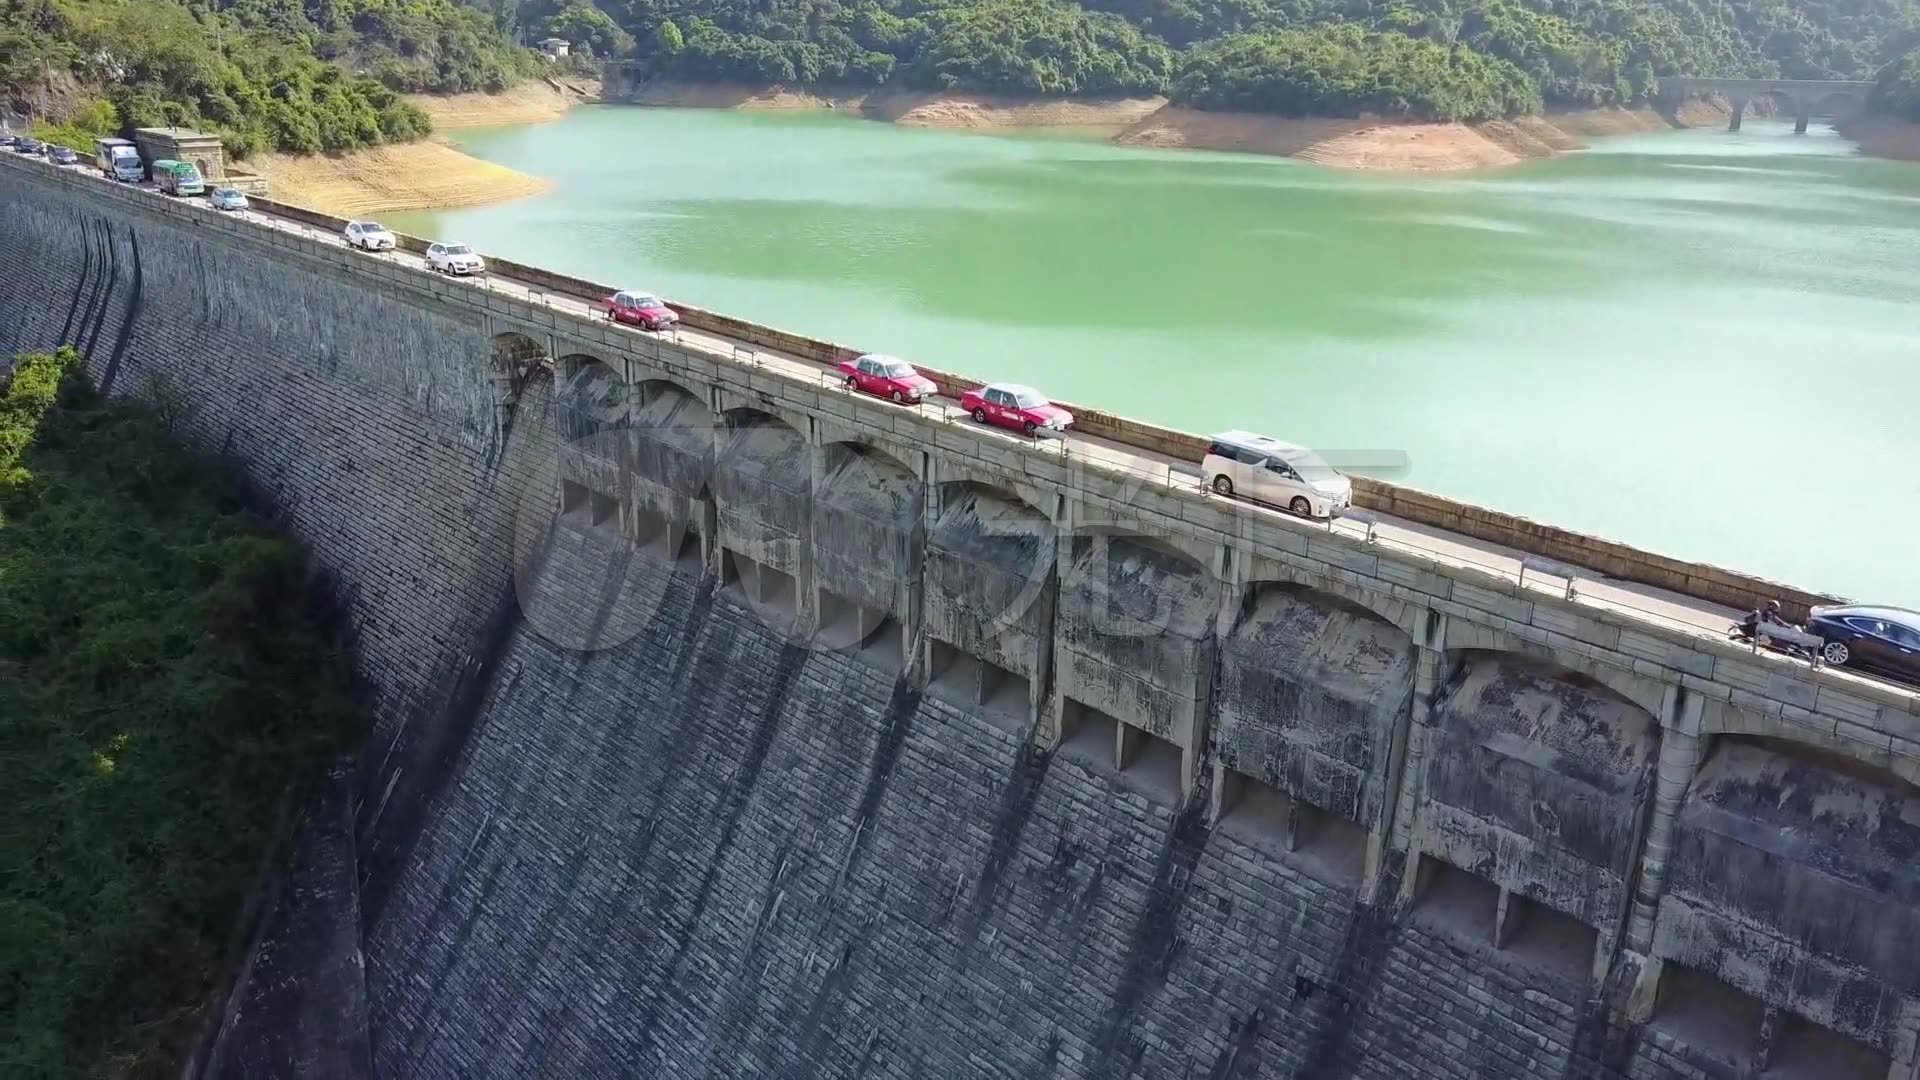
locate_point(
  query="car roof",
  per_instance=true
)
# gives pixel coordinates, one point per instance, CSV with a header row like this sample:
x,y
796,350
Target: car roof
x,y
1292,453
885,358
639,294
1014,388
1903,616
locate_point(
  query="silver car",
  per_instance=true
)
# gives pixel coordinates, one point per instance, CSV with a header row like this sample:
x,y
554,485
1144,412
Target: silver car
x,y
1249,466
226,198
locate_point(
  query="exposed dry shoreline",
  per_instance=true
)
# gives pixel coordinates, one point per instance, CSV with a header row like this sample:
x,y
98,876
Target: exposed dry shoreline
x,y
435,175
1367,143
428,175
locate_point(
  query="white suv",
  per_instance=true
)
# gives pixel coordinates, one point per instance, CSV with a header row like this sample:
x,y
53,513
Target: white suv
x,y
368,236
454,259
1240,463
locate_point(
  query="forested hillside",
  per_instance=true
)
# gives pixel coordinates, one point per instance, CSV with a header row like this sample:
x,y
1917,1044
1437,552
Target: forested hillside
x,y
1452,59
268,74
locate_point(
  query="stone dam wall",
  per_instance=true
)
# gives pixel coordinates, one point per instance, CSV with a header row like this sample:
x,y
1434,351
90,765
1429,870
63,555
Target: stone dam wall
x,y
723,733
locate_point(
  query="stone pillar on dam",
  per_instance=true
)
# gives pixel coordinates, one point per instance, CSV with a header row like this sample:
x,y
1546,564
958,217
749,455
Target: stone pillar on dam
x,y
1191,791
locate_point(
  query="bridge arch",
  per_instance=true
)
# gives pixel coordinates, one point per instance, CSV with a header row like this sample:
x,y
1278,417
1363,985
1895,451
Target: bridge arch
x,y
1720,719
1312,688
1837,104
591,398
1757,836
1534,776
989,598
1463,638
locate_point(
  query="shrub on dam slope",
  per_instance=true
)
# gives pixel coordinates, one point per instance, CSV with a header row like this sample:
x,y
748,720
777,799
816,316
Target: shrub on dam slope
x,y
166,670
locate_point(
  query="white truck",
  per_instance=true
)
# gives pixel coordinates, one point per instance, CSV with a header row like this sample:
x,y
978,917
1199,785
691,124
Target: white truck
x,y
119,159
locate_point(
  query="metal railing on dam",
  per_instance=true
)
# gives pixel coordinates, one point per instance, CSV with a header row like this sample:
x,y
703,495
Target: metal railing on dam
x,y
1343,734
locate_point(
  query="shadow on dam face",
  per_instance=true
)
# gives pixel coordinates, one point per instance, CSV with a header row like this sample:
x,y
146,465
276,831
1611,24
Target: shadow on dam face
x,y
724,818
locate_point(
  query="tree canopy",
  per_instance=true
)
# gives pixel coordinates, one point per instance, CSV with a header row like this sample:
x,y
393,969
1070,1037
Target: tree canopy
x,y
266,74
1426,58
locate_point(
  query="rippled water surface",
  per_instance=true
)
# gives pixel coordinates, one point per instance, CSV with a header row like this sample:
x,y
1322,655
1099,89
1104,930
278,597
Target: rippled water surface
x,y
1699,342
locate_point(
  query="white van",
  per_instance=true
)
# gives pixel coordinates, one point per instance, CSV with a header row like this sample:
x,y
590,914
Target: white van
x,y
1240,463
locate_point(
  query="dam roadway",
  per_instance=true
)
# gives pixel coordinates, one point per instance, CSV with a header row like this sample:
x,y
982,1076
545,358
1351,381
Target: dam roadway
x,y
727,724
1148,466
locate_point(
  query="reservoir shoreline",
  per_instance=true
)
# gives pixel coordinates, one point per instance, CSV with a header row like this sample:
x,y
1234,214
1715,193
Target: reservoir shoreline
x,y
435,174
1370,143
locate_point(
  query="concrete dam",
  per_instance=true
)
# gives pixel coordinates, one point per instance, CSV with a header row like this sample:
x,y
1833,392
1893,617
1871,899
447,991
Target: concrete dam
x,y
729,725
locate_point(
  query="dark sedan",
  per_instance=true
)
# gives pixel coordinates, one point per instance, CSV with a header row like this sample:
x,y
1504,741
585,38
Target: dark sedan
x,y
1880,639
29,146
61,155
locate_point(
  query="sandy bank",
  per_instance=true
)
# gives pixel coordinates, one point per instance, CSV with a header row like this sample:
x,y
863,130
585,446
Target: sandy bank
x,y
1352,144
1366,143
910,108
534,102
1401,145
412,176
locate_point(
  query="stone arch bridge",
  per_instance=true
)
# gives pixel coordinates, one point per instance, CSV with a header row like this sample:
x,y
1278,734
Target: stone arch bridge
x,y
1806,98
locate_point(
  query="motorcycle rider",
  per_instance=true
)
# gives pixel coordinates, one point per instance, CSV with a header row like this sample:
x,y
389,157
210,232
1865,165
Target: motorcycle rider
x,y
1767,614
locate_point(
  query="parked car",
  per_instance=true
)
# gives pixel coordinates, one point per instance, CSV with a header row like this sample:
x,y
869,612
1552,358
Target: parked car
x,y
454,259
888,377
63,155
1881,639
226,198
369,236
1263,469
29,146
1011,405
640,309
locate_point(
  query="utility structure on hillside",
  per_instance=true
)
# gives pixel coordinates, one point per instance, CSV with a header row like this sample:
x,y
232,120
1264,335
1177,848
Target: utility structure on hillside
x,y
1805,99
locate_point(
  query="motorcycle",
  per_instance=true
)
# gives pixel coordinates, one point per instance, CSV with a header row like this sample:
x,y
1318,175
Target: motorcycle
x,y
1776,637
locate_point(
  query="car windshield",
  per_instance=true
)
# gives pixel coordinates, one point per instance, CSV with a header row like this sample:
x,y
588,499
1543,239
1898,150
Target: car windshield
x,y
458,249
1029,399
372,227
647,302
898,369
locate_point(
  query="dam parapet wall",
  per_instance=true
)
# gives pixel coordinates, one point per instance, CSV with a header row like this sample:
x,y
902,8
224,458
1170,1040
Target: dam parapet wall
x,y
729,725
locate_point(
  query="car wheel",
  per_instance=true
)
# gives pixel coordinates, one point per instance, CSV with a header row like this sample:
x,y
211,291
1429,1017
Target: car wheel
x,y
852,384
1836,653
979,416
1223,486
898,399
1301,506
1029,427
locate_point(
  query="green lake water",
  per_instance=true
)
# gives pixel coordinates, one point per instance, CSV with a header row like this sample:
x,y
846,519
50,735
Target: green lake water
x,y
1702,343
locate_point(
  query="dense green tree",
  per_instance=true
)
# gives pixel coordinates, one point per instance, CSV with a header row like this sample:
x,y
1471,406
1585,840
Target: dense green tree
x,y
1568,53
1342,70
299,75
1898,88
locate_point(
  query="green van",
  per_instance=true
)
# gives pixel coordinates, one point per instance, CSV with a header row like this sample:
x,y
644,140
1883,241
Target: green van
x,y
177,177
